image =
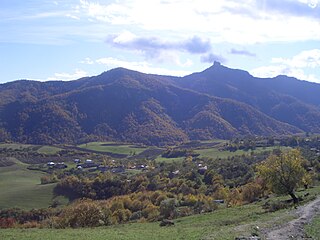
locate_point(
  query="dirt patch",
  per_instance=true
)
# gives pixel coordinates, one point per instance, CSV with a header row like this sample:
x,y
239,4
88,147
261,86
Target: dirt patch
x,y
295,228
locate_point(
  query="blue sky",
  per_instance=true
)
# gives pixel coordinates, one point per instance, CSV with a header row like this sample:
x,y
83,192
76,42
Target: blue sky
x,y
69,39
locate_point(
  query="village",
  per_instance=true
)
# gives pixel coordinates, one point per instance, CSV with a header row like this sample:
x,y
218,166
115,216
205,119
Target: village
x,y
93,166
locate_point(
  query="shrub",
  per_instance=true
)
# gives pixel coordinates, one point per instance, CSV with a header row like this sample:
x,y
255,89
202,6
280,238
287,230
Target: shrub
x,y
251,192
48,179
151,212
135,216
121,215
84,213
31,224
168,208
7,222
275,206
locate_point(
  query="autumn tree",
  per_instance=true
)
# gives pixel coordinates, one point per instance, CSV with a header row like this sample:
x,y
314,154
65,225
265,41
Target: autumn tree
x,y
283,173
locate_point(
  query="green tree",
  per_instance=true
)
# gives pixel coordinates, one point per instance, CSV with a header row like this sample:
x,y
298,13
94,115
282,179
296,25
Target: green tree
x,y
168,208
283,173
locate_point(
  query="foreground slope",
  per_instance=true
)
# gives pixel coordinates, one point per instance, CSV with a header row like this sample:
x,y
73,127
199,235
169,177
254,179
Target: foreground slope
x,y
222,224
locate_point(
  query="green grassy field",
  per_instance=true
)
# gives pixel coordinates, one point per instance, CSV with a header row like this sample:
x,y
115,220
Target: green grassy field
x,y
222,224
160,159
216,153
111,147
49,150
313,229
15,146
20,187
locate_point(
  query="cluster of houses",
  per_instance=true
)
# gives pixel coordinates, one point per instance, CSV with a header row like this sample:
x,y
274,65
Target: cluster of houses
x,y
315,150
201,170
93,166
59,165
88,163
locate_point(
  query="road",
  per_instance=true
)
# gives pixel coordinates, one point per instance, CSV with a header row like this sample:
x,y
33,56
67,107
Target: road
x,y
295,228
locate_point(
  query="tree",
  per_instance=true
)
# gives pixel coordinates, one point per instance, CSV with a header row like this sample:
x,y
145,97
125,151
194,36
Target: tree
x,y
168,208
283,173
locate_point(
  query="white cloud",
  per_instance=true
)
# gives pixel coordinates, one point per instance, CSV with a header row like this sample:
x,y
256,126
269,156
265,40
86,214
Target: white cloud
x,y
124,37
296,66
231,21
88,61
78,73
310,3
72,16
141,66
310,59
115,13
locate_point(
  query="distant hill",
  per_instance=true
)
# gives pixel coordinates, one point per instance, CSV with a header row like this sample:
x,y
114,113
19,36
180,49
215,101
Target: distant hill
x,y
125,105
283,98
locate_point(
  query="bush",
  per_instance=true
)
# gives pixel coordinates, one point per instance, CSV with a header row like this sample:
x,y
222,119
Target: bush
x,y
31,224
121,216
135,216
168,208
251,192
151,212
48,179
185,211
275,206
7,222
84,213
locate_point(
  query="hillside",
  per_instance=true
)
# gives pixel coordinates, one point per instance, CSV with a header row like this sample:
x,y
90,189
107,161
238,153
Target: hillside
x,y
125,105
283,98
223,223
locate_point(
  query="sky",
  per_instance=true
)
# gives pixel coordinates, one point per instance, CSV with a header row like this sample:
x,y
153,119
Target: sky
x,y
69,39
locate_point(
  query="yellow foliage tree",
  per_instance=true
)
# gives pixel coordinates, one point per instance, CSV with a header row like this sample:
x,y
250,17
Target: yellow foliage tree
x,y
283,173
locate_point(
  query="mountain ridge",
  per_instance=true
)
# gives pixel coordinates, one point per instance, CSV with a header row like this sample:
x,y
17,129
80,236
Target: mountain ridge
x,y
126,105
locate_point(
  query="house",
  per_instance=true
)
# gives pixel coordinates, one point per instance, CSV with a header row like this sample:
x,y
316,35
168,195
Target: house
x,y
77,161
51,164
173,174
103,168
141,166
202,170
119,169
61,165
89,164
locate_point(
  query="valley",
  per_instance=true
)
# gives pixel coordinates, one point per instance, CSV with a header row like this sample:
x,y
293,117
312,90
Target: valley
x,y
132,120
125,152
24,185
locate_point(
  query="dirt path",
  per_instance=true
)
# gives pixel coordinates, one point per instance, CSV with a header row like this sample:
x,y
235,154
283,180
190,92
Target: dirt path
x,y
294,228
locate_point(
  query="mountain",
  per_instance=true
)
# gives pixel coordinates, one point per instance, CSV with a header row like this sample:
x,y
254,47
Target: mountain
x,y
283,98
125,105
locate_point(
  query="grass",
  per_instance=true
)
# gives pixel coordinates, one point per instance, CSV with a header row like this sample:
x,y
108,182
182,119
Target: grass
x,y
217,141
160,159
313,229
48,150
222,224
216,153
20,187
15,146
110,147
